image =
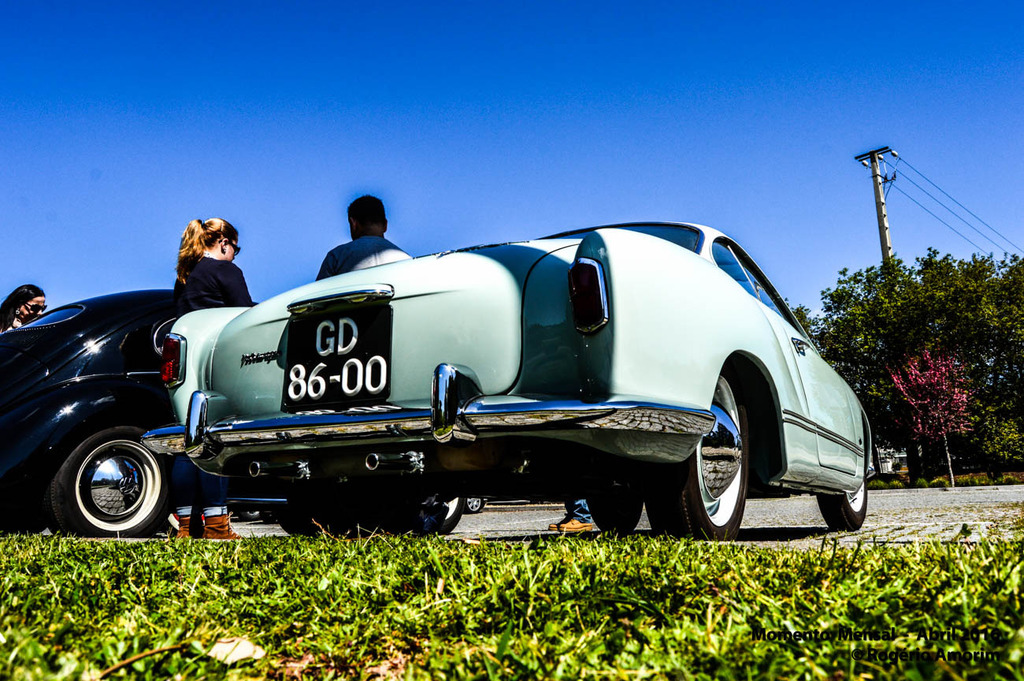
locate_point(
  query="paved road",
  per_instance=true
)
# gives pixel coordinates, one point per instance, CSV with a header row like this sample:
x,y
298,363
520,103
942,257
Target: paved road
x,y
899,516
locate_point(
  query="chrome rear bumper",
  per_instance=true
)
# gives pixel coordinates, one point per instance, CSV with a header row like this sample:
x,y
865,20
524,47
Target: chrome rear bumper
x,y
452,417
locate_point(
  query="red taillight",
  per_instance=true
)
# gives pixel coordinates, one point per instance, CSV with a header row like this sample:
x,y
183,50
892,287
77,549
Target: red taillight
x,y
588,295
171,367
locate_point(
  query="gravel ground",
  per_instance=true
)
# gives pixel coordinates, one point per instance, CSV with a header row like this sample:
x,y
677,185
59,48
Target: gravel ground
x,y
894,516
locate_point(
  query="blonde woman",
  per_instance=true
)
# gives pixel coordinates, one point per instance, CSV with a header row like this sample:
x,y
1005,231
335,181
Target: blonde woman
x,y
207,277
207,274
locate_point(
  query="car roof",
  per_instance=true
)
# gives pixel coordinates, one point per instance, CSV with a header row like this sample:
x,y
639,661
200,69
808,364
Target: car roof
x,y
99,314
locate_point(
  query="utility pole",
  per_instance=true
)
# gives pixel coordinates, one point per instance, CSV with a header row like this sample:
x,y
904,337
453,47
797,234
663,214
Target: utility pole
x,y
878,180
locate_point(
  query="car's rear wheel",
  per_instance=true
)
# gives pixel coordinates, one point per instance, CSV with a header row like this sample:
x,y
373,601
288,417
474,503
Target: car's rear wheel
x,y
110,485
475,505
705,495
844,512
308,520
456,507
312,510
617,511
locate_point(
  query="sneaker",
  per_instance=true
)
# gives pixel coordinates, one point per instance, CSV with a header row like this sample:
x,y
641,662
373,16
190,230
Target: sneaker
x,y
575,525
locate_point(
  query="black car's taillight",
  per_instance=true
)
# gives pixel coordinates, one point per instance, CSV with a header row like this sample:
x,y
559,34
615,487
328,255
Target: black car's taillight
x,y
172,360
588,295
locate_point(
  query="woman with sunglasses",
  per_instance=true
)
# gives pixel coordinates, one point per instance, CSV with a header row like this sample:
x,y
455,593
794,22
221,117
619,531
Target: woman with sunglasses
x,y
207,277
24,304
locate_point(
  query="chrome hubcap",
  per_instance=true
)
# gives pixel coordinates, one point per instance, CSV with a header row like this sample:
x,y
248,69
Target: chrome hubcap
x,y
720,458
117,483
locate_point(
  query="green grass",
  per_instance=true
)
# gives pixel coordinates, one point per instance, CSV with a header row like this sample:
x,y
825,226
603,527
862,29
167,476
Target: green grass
x,y
557,608
962,480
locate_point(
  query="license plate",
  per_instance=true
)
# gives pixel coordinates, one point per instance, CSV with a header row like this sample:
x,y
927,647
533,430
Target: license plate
x,y
338,360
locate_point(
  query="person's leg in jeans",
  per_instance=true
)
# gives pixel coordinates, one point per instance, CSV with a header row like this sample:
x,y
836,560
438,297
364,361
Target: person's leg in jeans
x,y
184,487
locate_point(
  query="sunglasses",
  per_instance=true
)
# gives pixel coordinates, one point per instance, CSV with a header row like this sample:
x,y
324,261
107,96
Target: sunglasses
x,y
238,249
36,308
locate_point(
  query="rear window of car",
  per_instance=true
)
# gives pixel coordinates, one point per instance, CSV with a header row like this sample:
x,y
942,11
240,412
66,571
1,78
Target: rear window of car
x,y
56,317
683,236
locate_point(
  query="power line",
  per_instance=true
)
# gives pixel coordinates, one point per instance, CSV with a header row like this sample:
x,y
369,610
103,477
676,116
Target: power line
x,y
895,165
980,249
1019,250
955,214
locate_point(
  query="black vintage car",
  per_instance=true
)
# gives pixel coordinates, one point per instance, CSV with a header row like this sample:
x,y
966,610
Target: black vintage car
x,y
78,387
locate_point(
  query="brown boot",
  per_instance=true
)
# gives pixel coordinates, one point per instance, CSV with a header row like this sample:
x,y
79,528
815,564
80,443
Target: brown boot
x,y
219,527
184,522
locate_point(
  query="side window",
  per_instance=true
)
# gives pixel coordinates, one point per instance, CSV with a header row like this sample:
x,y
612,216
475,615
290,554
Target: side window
x,y
728,263
763,290
160,332
766,293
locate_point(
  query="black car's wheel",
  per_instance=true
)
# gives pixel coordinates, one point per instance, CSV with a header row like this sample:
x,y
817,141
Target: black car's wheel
x,y
456,507
475,505
844,512
307,515
705,495
618,511
111,485
313,523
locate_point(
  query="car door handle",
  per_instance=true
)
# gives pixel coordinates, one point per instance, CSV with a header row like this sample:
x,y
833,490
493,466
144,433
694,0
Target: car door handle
x,y
800,345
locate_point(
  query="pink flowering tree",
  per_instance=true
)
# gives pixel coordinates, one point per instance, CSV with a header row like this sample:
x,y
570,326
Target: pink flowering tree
x,y
937,391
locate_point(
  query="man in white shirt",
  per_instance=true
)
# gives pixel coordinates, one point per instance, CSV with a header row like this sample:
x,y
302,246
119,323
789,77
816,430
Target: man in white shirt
x,y
368,248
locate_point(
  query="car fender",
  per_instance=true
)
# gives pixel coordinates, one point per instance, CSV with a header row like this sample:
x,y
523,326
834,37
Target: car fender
x,y
39,433
200,330
675,319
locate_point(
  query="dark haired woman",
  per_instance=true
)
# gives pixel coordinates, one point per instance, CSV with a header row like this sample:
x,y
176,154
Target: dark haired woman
x,y
24,304
207,277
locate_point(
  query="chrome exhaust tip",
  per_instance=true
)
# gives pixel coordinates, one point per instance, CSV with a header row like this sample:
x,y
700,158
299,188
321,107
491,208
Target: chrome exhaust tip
x,y
281,469
404,462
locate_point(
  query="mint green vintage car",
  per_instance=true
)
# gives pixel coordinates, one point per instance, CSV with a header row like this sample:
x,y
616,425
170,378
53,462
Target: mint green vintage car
x,y
648,363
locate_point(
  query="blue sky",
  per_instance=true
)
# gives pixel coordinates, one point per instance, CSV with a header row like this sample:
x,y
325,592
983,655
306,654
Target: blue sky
x,y
482,122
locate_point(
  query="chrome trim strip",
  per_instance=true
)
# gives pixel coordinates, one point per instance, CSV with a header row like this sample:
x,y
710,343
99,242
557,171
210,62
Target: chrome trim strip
x,y
169,440
573,415
479,414
338,427
195,424
807,424
381,293
799,417
258,501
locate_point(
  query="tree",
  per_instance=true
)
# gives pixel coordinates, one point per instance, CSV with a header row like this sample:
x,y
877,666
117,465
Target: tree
x,y
875,318
936,389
